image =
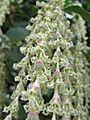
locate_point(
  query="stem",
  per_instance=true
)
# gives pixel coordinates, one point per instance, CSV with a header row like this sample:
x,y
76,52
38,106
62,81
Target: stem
x,y
58,58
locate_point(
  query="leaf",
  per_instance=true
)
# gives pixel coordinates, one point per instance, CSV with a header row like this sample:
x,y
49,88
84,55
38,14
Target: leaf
x,y
67,3
15,54
21,24
86,3
17,34
79,10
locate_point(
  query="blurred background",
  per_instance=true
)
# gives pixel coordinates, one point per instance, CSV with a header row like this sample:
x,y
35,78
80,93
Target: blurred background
x,y
14,17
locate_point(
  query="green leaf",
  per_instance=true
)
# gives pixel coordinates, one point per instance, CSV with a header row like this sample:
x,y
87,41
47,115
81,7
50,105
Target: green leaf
x,y
17,34
21,24
79,10
15,55
85,2
67,3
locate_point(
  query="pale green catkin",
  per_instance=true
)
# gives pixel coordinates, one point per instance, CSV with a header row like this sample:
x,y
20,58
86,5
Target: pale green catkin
x,y
49,65
3,71
79,29
4,9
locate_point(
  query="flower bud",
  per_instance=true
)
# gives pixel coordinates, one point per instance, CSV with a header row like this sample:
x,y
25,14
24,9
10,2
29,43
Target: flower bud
x,y
15,66
49,13
57,42
56,73
54,116
28,27
32,20
56,99
42,43
38,3
33,115
58,51
58,35
38,64
43,4
23,50
36,85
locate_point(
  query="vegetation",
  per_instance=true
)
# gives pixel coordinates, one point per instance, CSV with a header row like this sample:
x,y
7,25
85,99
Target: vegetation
x,y
53,66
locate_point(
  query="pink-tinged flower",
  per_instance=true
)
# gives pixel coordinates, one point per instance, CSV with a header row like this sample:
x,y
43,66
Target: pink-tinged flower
x,y
58,51
56,73
58,34
36,85
35,88
38,64
56,98
33,115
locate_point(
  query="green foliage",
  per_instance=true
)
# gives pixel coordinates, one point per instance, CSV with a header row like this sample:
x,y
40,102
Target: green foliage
x,y
79,10
17,34
86,4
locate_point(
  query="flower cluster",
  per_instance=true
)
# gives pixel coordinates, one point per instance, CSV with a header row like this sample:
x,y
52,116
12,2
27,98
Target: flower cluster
x,y
4,9
3,70
79,29
49,65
